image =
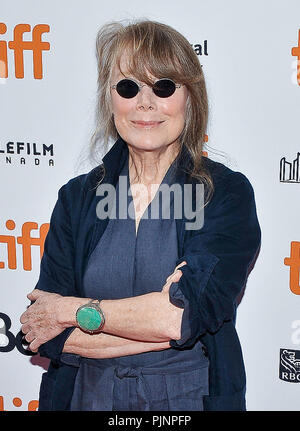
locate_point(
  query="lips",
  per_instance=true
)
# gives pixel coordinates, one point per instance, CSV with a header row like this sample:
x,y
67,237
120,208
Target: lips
x,y
147,123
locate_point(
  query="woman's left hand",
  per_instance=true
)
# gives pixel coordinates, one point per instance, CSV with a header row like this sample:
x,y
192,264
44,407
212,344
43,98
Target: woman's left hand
x,y
40,320
174,277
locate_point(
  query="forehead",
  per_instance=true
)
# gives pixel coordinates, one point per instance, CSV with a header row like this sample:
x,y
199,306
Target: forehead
x,y
123,68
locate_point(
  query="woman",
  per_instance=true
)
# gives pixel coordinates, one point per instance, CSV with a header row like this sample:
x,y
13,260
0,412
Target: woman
x,y
124,327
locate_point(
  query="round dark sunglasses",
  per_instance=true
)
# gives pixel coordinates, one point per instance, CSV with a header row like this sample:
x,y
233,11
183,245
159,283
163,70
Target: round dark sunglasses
x,y
128,88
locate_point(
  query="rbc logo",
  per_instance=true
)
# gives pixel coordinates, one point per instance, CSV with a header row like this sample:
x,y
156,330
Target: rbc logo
x,y
18,45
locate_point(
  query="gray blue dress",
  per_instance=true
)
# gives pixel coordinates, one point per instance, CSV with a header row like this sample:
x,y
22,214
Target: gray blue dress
x,y
125,264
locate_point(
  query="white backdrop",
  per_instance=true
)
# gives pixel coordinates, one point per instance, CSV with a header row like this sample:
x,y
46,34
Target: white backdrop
x,y
251,78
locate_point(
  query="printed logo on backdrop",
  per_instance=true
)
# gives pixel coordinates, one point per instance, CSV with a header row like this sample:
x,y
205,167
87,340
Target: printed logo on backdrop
x,y
200,49
18,45
32,406
289,365
296,63
8,341
290,171
21,238
293,261
26,153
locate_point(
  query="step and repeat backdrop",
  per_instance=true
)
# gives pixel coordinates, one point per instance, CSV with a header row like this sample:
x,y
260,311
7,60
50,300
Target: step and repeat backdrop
x,y
250,54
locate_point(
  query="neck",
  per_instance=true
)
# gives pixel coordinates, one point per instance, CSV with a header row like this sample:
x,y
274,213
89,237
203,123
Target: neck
x,y
150,167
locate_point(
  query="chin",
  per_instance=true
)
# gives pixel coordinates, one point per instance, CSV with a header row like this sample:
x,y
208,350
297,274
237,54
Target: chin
x,y
143,142
147,146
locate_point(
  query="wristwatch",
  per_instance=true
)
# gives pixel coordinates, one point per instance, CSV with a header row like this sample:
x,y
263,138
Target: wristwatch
x,y
90,318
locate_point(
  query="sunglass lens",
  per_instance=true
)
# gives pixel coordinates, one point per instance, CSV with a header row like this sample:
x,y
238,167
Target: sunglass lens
x,y
164,88
127,88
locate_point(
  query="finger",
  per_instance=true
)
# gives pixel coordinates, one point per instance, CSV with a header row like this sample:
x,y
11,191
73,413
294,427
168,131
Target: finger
x,y
34,345
171,275
29,337
176,268
180,265
176,276
166,286
25,328
168,278
173,279
34,295
24,317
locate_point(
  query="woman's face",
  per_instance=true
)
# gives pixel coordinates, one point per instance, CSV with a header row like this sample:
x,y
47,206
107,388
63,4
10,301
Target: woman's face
x,y
146,121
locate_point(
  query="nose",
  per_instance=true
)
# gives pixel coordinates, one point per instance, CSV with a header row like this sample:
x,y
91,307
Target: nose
x,y
145,98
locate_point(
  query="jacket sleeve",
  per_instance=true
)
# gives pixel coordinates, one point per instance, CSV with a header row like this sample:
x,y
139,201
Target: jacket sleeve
x,y
57,266
219,257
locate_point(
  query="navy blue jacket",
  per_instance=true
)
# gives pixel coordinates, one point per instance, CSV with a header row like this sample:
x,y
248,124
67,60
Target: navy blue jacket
x,y
219,257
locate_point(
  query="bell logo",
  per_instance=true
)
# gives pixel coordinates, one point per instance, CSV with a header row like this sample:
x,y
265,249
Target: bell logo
x,y
294,263
18,45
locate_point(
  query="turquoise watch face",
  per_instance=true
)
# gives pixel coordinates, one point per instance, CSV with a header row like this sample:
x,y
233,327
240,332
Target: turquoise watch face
x,y
88,318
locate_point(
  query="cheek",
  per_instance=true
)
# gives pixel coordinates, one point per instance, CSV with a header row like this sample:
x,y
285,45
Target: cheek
x,y
121,107
175,109
177,119
121,110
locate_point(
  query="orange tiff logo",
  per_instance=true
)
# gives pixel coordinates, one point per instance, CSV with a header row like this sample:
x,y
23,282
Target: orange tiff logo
x,y
18,45
296,53
294,263
17,402
26,241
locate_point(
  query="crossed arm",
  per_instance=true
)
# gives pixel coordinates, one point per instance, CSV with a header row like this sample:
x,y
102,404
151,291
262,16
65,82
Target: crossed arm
x,y
132,325
218,256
